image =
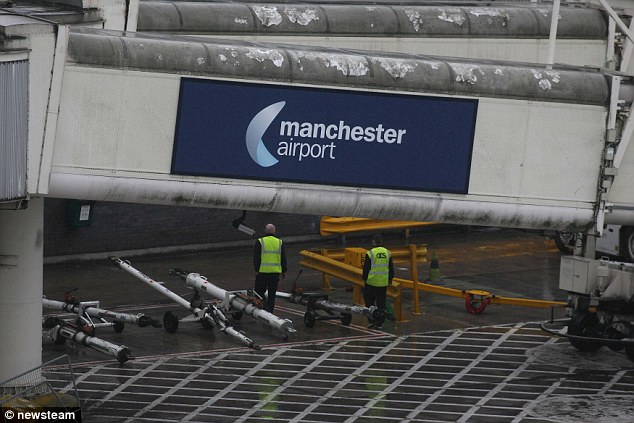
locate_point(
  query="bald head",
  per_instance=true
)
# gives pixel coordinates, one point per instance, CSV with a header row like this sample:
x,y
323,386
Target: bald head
x,y
269,229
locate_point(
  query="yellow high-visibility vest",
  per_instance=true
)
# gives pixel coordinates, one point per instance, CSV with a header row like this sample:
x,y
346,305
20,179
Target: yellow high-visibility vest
x,y
380,267
271,255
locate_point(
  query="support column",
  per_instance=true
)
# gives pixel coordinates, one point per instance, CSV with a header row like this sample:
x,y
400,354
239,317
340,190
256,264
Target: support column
x,y
21,288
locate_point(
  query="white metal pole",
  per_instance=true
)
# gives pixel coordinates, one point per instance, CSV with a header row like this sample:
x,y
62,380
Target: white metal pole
x,y
626,55
120,352
137,319
554,22
329,305
197,281
207,314
609,53
152,283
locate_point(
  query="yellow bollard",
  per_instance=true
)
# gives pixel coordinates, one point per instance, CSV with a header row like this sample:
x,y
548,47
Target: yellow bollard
x,y
414,267
325,279
355,256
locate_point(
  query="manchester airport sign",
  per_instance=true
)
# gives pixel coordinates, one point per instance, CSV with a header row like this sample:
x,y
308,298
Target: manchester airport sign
x,y
323,136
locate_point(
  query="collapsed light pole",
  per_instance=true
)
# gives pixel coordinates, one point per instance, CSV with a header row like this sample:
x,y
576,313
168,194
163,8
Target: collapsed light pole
x,y
209,315
61,330
82,329
318,301
315,301
90,309
235,301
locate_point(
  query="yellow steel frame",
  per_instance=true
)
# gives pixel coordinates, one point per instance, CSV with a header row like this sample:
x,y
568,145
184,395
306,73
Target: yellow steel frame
x,y
339,225
463,294
352,274
399,254
334,267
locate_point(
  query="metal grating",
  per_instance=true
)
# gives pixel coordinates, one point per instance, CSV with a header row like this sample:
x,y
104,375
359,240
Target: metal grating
x,y
14,108
510,373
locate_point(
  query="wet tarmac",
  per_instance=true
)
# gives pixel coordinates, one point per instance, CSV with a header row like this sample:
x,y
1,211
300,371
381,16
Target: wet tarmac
x,y
442,365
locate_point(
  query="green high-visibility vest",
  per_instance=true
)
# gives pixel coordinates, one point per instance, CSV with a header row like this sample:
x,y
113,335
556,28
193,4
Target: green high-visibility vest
x,y
271,255
380,267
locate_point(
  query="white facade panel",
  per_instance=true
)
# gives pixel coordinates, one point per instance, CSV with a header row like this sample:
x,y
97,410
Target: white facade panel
x,y
38,38
42,46
537,150
125,120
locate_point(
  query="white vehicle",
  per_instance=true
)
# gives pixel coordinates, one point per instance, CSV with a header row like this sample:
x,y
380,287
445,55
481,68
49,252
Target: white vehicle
x,y
617,240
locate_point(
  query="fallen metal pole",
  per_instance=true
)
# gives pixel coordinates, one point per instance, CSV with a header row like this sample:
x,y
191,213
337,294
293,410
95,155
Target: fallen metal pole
x,y
235,300
315,301
208,313
324,304
80,308
62,330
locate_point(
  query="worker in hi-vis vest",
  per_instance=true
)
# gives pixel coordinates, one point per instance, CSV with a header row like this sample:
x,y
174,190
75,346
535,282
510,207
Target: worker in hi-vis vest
x,y
269,261
378,272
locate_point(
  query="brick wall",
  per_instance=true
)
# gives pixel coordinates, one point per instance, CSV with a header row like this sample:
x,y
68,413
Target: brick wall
x,y
125,226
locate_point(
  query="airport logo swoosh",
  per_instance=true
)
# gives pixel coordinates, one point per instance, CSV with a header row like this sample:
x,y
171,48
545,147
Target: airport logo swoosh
x,y
256,129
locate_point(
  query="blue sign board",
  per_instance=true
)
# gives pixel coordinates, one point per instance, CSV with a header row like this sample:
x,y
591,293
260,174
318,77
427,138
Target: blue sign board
x,y
323,136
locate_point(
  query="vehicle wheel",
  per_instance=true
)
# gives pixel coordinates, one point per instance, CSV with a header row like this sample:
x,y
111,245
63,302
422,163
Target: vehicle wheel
x,y
615,334
581,325
310,318
118,326
170,322
629,351
626,248
565,241
346,319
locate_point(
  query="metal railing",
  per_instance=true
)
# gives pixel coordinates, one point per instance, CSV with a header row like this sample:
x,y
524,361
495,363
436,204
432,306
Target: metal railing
x,y
331,265
52,399
350,273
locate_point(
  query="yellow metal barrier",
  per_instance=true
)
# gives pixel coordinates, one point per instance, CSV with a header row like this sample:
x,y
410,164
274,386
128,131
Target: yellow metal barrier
x,y
352,274
339,225
399,254
477,300
350,269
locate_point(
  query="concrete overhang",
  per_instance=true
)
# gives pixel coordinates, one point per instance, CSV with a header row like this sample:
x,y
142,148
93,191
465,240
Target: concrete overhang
x,y
12,26
370,19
